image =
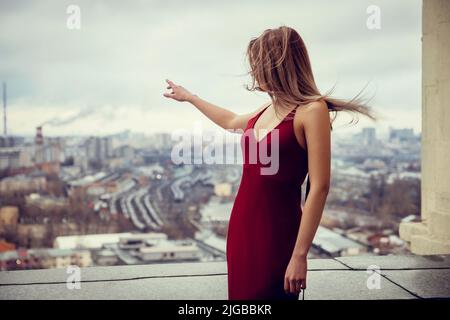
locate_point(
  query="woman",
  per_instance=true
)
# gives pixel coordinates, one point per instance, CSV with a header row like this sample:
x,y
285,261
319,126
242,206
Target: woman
x,y
269,235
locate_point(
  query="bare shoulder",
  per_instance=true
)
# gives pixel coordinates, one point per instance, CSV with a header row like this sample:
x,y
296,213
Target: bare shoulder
x,y
313,108
313,112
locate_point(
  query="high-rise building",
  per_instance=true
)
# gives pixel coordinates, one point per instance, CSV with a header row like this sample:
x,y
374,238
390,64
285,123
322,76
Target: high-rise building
x,y
368,136
99,149
401,135
10,141
9,158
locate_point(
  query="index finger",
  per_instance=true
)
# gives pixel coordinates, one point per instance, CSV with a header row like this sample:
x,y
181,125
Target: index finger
x,y
171,84
286,285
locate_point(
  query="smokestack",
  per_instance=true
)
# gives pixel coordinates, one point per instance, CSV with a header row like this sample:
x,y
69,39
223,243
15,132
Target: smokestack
x,y
39,139
5,128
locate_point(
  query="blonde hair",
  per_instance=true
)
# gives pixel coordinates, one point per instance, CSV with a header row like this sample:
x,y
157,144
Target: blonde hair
x,y
280,66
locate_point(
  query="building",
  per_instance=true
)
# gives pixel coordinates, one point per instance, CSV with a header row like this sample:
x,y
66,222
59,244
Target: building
x,y
46,203
368,136
23,183
9,216
9,158
47,153
216,212
46,150
335,244
6,246
223,189
90,241
125,151
161,141
98,149
128,248
43,259
401,135
10,141
138,240
32,235
165,251
106,257
154,247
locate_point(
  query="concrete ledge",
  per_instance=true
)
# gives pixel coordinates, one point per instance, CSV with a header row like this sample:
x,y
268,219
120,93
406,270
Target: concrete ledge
x,y
400,277
440,225
408,229
139,272
115,272
425,244
172,288
397,262
423,283
345,285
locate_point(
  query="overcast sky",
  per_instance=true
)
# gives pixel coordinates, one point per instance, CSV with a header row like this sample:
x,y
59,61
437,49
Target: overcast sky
x,y
109,75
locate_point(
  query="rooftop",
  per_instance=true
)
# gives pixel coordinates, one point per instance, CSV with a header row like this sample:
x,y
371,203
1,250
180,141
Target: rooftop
x,y
402,277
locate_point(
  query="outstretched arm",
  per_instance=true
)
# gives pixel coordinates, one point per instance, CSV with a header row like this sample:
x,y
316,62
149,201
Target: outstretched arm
x,y
316,128
220,116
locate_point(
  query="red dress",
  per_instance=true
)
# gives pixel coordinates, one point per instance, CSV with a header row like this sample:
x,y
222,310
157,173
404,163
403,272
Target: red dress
x,y
265,218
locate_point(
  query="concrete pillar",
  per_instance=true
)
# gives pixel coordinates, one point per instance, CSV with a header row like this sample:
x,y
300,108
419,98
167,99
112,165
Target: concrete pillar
x,y
432,235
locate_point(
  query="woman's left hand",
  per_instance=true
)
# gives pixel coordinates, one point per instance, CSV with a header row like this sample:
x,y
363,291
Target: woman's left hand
x,y
295,277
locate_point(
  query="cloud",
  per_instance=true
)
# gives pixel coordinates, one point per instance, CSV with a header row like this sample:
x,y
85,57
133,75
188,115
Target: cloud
x,y
124,51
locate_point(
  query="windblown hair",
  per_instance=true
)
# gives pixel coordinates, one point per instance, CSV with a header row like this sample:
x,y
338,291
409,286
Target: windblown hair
x,y
280,66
